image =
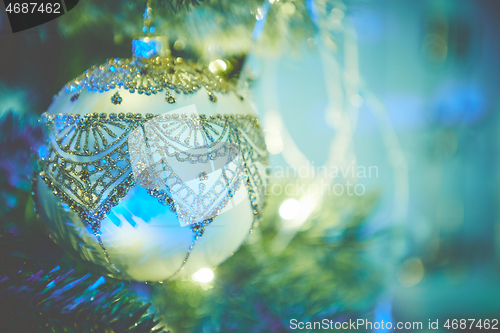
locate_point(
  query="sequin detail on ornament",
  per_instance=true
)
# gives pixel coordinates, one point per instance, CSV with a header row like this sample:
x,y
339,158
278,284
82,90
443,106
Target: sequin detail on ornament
x,y
211,96
160,163
169,98
116,99
149,76
89,165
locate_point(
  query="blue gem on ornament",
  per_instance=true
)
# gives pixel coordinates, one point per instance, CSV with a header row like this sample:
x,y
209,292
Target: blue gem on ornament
x,y
43,152
147,47
116,99
65,206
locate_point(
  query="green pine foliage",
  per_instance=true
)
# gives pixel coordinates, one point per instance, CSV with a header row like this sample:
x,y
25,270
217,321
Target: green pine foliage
x,y
325,272
203,29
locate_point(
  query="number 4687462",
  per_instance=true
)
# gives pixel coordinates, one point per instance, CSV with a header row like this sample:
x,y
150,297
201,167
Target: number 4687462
x,y
486,324
33,7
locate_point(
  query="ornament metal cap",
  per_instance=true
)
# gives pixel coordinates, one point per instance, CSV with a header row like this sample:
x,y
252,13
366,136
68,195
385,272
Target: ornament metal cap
x,y
148,47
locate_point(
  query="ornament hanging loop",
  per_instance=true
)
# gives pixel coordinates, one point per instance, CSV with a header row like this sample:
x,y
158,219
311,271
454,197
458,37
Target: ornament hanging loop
x,y
150,45
148,20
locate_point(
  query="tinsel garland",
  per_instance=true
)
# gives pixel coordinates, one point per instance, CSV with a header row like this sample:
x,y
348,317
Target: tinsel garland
x,y
62,300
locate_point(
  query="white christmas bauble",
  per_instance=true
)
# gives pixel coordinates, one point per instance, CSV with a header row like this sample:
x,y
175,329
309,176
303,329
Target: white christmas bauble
x,y
155,169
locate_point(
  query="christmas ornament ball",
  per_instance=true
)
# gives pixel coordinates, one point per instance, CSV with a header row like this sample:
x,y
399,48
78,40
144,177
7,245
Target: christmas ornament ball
x,y
155,168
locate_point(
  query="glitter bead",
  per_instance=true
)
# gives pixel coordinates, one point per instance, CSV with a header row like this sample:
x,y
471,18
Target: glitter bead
x,y
116,98
75,97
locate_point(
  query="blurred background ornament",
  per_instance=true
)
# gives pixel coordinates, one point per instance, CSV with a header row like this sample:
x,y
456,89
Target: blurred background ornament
x,y
155,167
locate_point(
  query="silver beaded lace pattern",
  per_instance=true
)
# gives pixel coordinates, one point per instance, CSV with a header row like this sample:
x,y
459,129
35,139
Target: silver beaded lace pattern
x,y
94,159
89,165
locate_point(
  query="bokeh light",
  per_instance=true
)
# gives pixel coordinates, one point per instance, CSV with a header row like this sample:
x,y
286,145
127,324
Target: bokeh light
x,y
204,275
